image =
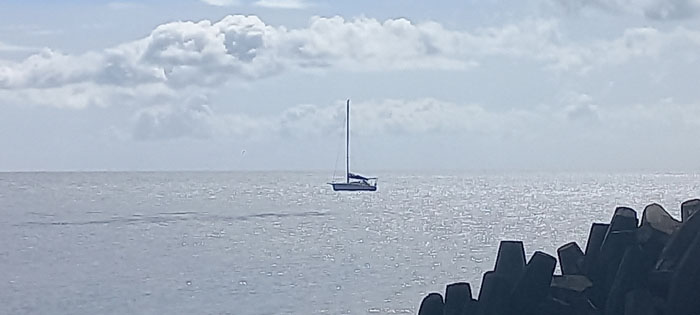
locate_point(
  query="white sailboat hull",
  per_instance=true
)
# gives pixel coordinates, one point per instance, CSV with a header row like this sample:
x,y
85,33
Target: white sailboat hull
x,y
353,187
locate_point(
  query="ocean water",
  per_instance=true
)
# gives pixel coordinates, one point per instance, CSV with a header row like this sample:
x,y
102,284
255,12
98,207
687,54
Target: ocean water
x,y
284,243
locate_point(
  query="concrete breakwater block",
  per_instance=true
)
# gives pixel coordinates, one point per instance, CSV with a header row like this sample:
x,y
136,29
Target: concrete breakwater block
x,y
496,285
639,302
432,305
684,291
629,267
614,247
595,241
656,218
570,259
458,299
679,243
571,293
620,235
570,283
630,276
533,285
510,260
688,208
658,282
624,219
494,295
656,229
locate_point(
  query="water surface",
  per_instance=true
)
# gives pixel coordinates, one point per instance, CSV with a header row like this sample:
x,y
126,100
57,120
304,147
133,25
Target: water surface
x,y
284,243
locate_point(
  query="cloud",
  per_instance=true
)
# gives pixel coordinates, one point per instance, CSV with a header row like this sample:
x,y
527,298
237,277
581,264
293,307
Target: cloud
x,y
633,44
576,124
205,53
221,3
83,95
369,118
209,53
283,4
199,55
396,116
651,9
191,118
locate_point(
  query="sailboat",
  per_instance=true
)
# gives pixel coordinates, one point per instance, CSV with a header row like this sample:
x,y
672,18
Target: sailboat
x,y
353,182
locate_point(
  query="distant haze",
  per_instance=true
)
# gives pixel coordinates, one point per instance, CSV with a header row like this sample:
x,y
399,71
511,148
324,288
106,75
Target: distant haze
x,y
261,85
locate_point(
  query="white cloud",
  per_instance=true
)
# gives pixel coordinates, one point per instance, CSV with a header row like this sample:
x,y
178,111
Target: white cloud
x,y
182,54
50,69
283,4
209,53
206,53
178,56
221,3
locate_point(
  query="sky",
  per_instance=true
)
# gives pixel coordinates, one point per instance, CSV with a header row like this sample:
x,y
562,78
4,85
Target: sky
x,y
542,85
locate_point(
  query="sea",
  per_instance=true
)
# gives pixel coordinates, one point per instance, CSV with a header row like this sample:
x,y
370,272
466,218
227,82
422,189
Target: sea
x,y
283,242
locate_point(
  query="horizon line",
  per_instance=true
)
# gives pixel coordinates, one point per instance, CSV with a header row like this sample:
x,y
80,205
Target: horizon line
x,y
369,171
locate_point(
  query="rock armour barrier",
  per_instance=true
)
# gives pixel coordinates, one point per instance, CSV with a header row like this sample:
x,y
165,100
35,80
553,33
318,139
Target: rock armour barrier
x,y
629,267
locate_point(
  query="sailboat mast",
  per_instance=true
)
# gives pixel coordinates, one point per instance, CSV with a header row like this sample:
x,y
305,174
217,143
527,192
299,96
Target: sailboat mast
x,y
347,142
